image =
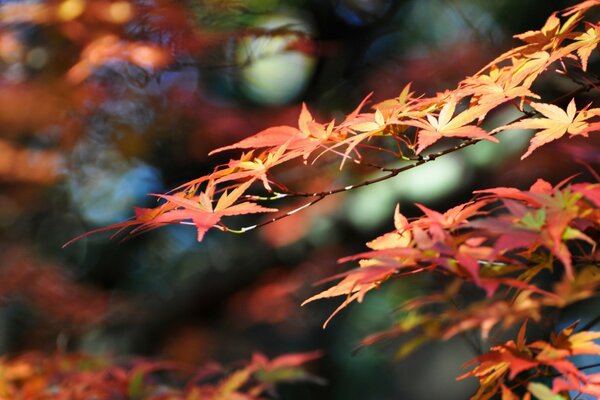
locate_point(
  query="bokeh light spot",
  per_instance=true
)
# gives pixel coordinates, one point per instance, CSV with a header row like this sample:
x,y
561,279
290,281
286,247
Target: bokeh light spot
x,y
273,71
37,57
70,9
120,12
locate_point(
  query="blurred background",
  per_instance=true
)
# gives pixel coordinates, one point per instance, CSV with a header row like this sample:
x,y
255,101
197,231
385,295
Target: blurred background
x,y
102,102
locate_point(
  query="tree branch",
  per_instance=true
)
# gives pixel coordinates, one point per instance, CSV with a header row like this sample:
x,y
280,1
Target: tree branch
x,y
392,172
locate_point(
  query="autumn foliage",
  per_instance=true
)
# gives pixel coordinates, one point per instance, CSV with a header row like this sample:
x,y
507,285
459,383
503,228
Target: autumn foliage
x,y
502,242
523,253
81,376
413,123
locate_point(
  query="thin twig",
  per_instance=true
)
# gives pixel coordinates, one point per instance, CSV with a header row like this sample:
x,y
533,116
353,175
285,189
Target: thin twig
x,y
392,172
554,375
420,160
270,221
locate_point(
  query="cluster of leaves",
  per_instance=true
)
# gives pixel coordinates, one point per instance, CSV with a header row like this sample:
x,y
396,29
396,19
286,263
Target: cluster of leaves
x,y
506,241
504,249
412,123
83,376
540,359
502,242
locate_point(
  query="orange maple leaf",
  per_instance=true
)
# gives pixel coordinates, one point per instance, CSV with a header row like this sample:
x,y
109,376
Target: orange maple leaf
x,y
355,286
201,211
546,35
301,141
497,87
180,208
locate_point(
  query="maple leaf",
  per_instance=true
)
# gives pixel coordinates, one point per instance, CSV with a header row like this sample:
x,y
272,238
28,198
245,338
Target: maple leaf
x,y
181,207
590,191
545,35
355,286
285,368
202,213
368,125
433,129
543,392
529,196
255,168
302,140
590,386
292,360
550,222
362,127
229,387
370,122
556,124
549,37
585,44
527,68
271,137
411,321
497,87
452,218
400,237
401,106
143,216
350,117
500,361
487,314
576,342
581,287
581,7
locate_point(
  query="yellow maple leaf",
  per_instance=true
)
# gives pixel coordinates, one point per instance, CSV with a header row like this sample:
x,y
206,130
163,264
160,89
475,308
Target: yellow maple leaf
x,y
433,129
557,123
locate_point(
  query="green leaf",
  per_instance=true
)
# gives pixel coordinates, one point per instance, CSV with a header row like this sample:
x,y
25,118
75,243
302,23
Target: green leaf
x,y
535,220
567,199
572,233
136,385
285,374
543,392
